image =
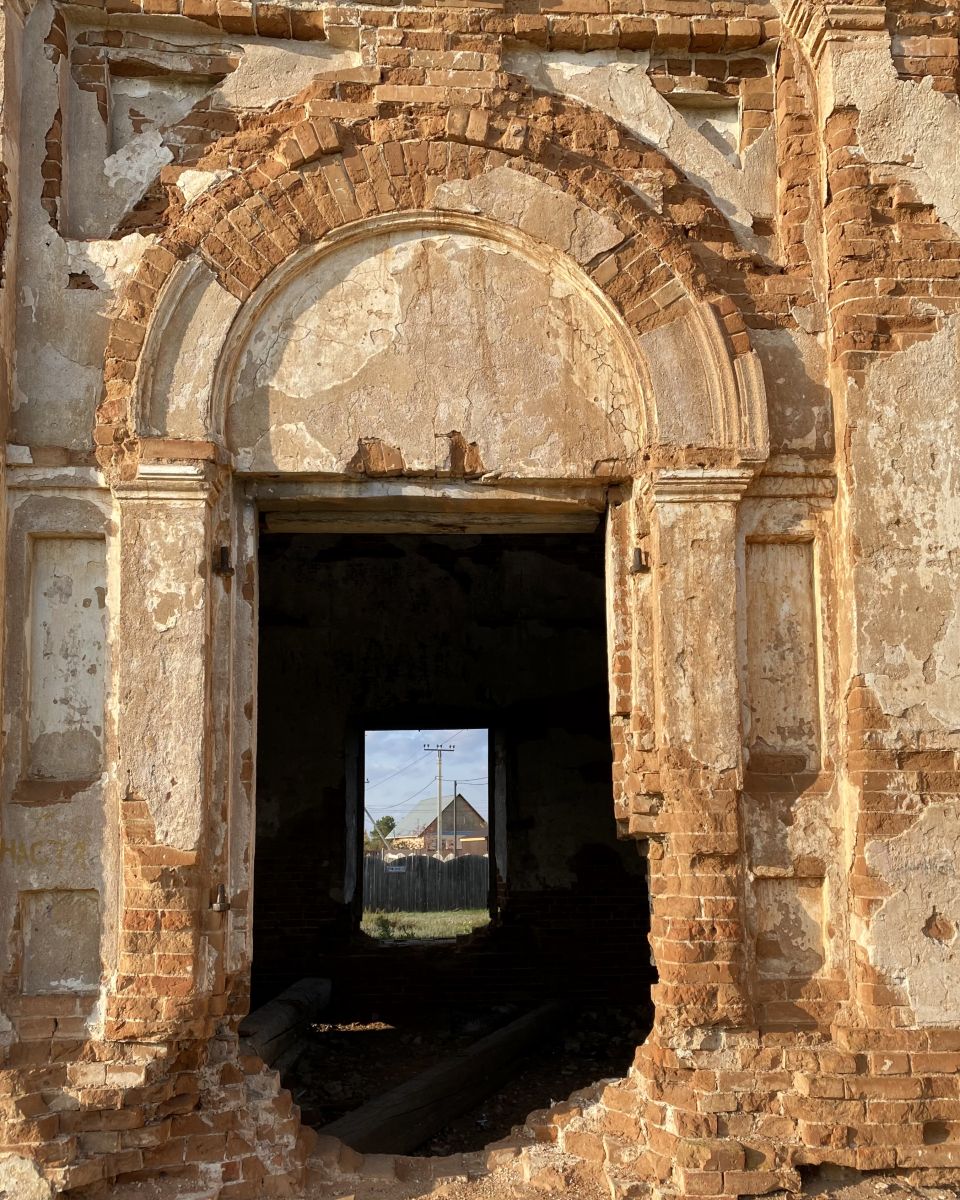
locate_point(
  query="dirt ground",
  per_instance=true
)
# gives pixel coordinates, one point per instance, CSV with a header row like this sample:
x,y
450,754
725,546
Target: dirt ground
x,y
594,1044
500,1185
346,1062
833,1184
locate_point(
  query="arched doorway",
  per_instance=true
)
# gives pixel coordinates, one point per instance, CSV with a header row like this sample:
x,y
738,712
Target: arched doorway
x,y
575,411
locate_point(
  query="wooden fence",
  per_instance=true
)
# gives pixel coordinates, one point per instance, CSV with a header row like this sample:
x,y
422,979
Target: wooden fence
x,y
419,883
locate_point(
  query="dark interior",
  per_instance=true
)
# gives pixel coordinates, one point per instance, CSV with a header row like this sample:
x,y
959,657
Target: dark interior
x,y
504,631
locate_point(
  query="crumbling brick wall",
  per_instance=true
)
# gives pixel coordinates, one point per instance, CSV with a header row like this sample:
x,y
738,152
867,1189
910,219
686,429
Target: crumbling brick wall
x,y
717,256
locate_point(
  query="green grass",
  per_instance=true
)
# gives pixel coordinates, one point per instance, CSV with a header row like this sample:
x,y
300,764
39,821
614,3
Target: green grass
x,y
404,926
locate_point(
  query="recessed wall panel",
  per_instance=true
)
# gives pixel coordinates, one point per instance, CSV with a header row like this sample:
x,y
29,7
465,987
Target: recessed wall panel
x,y
67,637
782,725
789,937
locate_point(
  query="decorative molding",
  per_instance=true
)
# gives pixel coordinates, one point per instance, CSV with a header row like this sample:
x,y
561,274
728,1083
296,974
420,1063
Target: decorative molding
x,y
30,477
816,26
541,253
171,481
688,383
696,485
20,8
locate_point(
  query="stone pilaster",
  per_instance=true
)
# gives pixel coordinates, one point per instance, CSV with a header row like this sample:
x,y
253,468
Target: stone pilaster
x,y
169,935
696,865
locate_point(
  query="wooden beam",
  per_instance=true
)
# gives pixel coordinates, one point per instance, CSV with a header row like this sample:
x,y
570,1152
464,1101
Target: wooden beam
x,y
276,1025
399,1120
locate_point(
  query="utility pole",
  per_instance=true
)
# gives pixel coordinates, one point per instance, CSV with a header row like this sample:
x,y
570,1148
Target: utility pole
x,y
455,818
440,750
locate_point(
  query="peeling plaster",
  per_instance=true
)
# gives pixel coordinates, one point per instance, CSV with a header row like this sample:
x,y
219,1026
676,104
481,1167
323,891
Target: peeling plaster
x,y
165,579
534,207
156,101
905,124
616,83
789,942
109,262
21,1179
906,527
193,184
406,337
131,169
921,866
273,71
61,332
794,363
184,362
782,709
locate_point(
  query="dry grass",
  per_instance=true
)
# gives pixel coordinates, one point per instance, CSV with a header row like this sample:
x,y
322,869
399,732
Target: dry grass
x,y
415,926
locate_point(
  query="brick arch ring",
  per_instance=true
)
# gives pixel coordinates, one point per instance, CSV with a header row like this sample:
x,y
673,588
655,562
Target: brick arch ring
x,y
700,390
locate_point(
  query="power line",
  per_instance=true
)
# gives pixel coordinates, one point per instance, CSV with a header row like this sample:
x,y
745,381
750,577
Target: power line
x,y
389,808
387,778
412,797
400,770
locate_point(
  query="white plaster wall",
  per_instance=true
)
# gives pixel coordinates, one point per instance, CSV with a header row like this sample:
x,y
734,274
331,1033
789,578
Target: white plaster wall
x,y
905,528
789,935
409,336
183,361
913,936
901,122
61,332
783,671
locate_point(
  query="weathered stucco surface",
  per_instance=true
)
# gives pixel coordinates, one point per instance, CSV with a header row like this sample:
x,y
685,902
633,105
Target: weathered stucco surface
x,y
168,625
906,528
782,644
913,934
177,399
529,205
687,272
61,942
350,351
617,83
902,123
66,670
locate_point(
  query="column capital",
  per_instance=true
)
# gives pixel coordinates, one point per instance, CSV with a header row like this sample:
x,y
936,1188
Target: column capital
x,y
819,26
171,481
695,485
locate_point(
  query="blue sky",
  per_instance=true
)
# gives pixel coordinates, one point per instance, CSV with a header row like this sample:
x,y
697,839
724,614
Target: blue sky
x,y
400,773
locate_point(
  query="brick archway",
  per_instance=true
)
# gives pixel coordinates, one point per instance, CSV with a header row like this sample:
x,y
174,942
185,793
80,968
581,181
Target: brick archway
x,y
317,184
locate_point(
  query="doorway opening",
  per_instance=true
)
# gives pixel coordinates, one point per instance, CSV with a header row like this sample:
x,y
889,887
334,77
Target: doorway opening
x,y
495,640
420,884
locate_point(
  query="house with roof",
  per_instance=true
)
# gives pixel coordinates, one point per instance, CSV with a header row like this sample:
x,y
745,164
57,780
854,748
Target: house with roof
x,y
462,829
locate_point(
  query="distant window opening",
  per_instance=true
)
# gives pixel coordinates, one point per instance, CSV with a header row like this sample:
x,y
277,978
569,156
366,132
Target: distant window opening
x,y
427,834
